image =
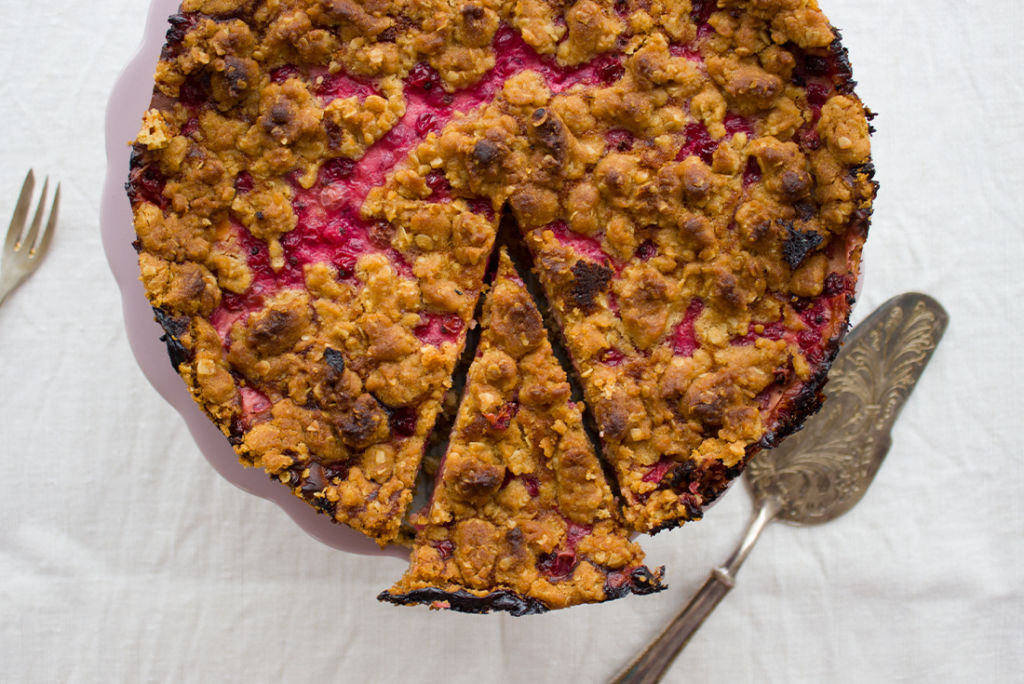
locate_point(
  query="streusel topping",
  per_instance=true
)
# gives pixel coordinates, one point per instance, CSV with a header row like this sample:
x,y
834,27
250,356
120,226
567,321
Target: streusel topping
x,y
317,185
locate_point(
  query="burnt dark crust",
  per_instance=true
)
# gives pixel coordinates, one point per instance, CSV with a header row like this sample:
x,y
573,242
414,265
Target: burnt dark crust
x,y
811,64
464,602
145,182
640,581
589,280
174,329
809,400
799,244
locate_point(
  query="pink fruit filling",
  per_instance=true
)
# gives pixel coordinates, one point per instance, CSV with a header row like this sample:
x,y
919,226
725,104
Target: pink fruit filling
x,y
817,96
195,91
818,74
684,338
253,404
836,283
513,54
612,357
264,283
735,123
557,564
336,170
402,421
619,140
807,137
325,85
646,250
244,182
282,74
690,52
817,317
150,182
445,547
583,245
437,328
574,533
427,122
440,188
532,485
253,401
701,10
502,418
560,563
698,143
329,87
482,207
769,331
752,172
330,230
617,579
658,470
191,126
181,24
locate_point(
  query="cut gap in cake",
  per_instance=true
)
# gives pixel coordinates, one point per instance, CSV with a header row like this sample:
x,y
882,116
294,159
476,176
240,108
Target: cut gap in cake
x,y
522,519
510,239
439,438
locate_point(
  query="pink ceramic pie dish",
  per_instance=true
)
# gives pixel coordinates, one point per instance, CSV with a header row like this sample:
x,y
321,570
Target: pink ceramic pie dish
x,y
128,101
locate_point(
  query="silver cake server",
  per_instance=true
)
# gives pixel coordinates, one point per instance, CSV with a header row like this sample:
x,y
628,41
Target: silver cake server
x,y
820,473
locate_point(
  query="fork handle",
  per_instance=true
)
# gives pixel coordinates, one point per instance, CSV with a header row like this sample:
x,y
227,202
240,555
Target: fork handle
x,y
654,661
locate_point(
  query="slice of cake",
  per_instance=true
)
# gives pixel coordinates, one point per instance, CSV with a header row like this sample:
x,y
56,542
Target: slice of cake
x,y
522,518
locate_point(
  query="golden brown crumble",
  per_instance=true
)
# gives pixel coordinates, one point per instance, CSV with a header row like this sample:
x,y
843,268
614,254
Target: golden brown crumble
x,y
692,179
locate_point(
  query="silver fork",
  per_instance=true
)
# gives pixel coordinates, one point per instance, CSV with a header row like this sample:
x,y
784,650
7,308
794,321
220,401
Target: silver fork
x,y
25,248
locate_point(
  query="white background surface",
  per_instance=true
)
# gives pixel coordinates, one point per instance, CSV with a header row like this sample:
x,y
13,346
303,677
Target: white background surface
x,y
123,557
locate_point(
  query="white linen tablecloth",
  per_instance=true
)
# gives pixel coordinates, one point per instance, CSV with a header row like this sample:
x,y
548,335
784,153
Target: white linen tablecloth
x,y
123,557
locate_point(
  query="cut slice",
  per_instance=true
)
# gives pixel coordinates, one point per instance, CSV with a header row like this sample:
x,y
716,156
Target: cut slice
x,y
522,518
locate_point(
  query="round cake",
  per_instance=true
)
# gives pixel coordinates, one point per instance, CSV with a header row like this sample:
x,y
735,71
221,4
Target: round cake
x,y
318,187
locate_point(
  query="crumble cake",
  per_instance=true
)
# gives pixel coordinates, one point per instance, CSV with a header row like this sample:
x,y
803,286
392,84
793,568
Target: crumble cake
x,y
316,189
521,518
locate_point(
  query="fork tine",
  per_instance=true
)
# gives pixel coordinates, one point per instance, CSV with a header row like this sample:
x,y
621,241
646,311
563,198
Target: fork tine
x,y
29,240
20,212
47,236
